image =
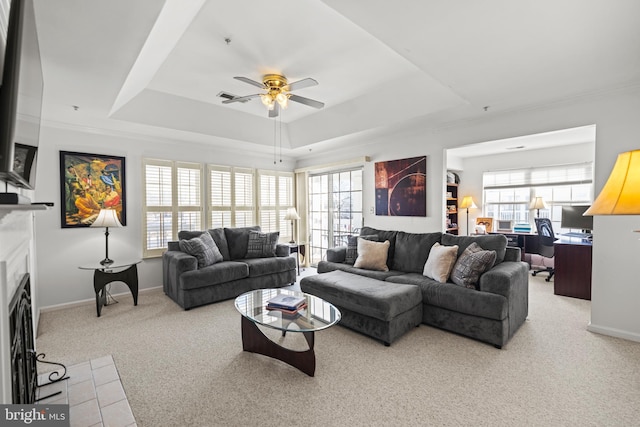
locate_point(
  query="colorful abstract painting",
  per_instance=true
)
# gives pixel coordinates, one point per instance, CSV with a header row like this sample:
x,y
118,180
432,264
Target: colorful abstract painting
x,y
401,187
88,183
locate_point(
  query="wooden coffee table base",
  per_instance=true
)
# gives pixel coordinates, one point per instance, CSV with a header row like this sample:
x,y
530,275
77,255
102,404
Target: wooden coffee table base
x,y
254,341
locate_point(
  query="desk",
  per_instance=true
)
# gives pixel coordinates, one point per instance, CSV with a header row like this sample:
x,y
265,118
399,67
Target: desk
x,y
527,242
103,275
572,263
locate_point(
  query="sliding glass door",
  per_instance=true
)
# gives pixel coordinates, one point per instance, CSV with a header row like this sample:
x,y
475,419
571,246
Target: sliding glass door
x,y
335,210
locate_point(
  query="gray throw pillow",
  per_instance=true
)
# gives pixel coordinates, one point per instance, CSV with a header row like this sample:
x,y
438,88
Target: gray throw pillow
x,y
352,247
203,248
238,239
471,264
262,245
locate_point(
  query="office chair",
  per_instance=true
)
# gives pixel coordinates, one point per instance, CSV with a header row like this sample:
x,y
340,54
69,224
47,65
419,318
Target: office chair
x,y
546,238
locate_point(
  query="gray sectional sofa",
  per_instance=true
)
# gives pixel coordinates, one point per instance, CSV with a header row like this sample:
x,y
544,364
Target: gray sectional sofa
x,y
386,304
190,285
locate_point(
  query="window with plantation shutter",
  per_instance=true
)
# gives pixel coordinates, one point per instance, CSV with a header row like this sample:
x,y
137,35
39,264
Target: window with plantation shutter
x,y
173,202
180,196
275,197
231,197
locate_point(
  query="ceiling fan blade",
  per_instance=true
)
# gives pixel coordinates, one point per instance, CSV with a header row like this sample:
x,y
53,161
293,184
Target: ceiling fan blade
x,y
306,101
275,111
251,82
300,84
240,98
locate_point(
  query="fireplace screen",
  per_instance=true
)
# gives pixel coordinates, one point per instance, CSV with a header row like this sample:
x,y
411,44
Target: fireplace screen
x,y
23,356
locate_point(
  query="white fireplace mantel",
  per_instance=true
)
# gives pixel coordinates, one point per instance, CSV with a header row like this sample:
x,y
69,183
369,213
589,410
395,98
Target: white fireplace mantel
x,y
7,209
17,258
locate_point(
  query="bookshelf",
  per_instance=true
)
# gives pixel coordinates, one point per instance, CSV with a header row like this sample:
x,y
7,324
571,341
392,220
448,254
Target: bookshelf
x,y
451,214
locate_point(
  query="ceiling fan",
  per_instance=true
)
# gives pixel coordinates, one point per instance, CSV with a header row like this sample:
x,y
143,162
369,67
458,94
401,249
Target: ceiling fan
x,y
278,93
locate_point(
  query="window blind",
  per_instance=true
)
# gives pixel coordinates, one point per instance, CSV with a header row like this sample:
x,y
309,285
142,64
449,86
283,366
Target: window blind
x,y
542,176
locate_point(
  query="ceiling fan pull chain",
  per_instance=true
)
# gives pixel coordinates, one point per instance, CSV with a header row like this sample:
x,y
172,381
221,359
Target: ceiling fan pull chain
x,y
280,119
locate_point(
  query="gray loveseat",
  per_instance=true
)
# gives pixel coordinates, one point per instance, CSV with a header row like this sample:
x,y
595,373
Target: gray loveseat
x,y
191,286
491,312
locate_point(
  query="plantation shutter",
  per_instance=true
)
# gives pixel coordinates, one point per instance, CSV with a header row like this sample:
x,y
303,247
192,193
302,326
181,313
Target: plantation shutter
x,y
172,202
232,197
275,197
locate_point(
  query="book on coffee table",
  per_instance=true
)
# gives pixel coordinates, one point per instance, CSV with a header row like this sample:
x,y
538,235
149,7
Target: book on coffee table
x,y
286,311
286,302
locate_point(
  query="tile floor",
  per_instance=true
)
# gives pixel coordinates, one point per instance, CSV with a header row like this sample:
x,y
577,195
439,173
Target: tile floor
x,y
94,394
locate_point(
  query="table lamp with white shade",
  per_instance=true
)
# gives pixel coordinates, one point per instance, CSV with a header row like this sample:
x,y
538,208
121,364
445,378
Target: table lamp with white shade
x,y
538,203
292,215
107,218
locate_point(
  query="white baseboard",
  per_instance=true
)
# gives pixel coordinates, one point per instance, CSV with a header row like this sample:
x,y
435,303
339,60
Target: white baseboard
x,y
62,306
618,333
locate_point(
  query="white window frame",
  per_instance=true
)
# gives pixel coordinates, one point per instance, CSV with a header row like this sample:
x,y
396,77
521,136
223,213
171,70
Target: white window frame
x,y
175,208
234,207
284,199
539,180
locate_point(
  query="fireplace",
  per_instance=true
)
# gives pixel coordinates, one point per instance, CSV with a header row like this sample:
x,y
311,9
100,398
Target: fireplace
x,y
18,302
23,356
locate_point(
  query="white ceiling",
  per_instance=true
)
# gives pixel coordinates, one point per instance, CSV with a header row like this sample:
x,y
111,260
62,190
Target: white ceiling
x,y
155,67
564,137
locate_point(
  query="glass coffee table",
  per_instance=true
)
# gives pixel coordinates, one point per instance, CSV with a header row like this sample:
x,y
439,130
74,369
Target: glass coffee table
x,y
318,314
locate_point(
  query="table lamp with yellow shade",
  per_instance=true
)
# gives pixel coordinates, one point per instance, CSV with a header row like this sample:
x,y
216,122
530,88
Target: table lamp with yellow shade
x,y
467,203
621,193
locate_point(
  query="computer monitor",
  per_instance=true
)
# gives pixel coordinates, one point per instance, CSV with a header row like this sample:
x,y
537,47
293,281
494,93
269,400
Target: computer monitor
x,y
572,217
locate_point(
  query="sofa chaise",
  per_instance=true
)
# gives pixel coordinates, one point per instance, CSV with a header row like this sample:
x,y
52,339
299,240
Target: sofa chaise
x,y
386,302
245,259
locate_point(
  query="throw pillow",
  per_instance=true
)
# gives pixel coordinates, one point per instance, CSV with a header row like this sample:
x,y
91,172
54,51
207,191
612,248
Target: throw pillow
x,y
238,239
203,248
372,255
262,245
440,262
352,247
471,264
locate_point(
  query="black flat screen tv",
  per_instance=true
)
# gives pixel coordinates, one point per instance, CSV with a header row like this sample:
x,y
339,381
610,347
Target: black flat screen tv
x,y
572,218
20,97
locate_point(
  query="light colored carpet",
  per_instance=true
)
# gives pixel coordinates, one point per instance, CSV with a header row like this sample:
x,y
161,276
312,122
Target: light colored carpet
x,y
187,368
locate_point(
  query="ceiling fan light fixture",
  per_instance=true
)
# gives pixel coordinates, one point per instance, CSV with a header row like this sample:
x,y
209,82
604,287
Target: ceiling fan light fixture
x,y
278,90
282,99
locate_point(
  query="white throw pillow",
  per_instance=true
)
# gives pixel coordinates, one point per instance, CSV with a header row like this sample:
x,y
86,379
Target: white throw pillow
x,y
372,255
440,262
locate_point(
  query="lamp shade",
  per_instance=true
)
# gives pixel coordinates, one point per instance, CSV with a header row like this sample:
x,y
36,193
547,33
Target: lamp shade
x,y
107,218
621,193
538,203
467,202
291,214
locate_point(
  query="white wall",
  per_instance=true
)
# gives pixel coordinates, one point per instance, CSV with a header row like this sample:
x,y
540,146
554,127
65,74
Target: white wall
x,y
616,249
60,251
474,167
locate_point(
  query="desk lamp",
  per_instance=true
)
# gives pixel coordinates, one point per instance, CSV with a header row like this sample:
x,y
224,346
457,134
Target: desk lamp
x,y
467,202
538,203
621,193
107,218
292,215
